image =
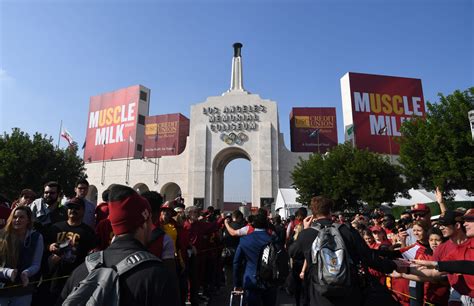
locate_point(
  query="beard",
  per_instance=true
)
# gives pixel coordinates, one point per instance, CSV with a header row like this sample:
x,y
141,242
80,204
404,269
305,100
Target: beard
x,y
50,200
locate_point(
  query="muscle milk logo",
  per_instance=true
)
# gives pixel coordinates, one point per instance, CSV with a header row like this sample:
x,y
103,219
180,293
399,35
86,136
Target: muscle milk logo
x,y
110,122
387,112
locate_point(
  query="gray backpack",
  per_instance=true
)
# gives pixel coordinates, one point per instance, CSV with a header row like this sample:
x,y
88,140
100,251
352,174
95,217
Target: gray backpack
x,y
330,267
101,286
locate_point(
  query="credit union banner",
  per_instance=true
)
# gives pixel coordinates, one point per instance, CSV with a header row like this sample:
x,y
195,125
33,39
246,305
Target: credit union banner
x,y
165,135
313,129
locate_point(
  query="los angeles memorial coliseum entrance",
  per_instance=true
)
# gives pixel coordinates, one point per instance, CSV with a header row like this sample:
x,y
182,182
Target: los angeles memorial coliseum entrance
x,y
236,124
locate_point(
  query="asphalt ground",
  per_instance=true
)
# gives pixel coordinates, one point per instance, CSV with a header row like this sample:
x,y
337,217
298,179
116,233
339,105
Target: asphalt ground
x,y
222,296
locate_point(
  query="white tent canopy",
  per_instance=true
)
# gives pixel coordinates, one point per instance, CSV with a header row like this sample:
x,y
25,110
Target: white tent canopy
x,y
423,196
286,203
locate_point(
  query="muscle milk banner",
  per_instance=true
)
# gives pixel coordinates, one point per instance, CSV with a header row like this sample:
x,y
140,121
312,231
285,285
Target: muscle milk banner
x,y
116,123
375,106
165,135
313,129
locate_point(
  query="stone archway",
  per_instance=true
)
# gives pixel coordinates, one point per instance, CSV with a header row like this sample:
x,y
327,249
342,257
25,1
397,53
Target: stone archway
x,y
170,191
141,188
92,194
221,160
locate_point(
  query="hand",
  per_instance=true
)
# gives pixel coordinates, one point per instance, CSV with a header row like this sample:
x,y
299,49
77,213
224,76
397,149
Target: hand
x,y
24,278
14,274
54,259
238,290
54,248
395,274
302,275
226,221
425,263
307,222
402,237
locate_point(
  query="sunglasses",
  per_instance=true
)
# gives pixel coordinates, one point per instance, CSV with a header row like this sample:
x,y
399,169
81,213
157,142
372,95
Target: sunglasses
x,y
420,214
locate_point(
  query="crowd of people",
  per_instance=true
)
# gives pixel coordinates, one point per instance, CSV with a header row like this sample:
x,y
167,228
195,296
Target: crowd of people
x,y
167,253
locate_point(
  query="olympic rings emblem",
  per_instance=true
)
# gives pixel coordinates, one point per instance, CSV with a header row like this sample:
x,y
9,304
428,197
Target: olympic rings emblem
x,y
233,138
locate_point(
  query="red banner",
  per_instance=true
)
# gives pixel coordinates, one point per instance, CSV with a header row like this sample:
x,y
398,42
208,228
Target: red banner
x,y
313,129
112,125
165,135
378,105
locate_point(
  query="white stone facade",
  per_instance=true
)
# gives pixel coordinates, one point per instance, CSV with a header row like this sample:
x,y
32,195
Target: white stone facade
x,y
199,169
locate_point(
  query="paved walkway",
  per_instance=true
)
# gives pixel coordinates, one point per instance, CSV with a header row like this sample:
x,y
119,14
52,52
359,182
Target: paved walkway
x,y
223,299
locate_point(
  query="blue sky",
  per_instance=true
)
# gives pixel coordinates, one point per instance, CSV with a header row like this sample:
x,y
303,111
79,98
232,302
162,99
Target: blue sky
x,y
54,55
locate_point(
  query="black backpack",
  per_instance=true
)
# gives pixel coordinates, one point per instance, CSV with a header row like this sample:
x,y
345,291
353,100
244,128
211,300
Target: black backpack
x,y
272,267
101,286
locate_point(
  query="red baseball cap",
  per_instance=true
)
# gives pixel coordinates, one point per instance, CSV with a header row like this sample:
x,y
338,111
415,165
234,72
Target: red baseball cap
x,y
376,229
469,215
420,207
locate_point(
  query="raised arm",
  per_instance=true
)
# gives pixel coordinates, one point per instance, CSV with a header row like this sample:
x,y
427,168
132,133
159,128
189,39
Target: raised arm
x,y
440,200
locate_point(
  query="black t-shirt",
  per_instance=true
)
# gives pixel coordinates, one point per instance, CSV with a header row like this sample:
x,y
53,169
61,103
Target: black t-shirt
x,y
75,243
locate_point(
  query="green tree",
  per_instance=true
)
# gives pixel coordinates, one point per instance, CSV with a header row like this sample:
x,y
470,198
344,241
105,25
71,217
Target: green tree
x,y
438,150
349,176
29,162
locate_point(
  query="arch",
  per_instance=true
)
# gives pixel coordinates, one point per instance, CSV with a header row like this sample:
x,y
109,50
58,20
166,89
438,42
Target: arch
x,y
141,188
170,191
220,162
92,194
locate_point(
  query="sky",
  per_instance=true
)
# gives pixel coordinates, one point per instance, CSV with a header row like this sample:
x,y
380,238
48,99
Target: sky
x,y
55,55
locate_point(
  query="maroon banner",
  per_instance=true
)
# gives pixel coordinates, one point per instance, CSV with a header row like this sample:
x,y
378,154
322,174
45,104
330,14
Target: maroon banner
x,y
377,105
313,129
165,135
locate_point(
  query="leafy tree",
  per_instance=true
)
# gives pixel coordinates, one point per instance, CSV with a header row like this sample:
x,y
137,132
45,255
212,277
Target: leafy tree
x,y
349,176
438,150
30,162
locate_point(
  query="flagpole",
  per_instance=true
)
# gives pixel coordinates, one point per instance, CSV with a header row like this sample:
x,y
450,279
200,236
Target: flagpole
x,y
60,130
390,147
102,179
127,168
128,147
155,173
